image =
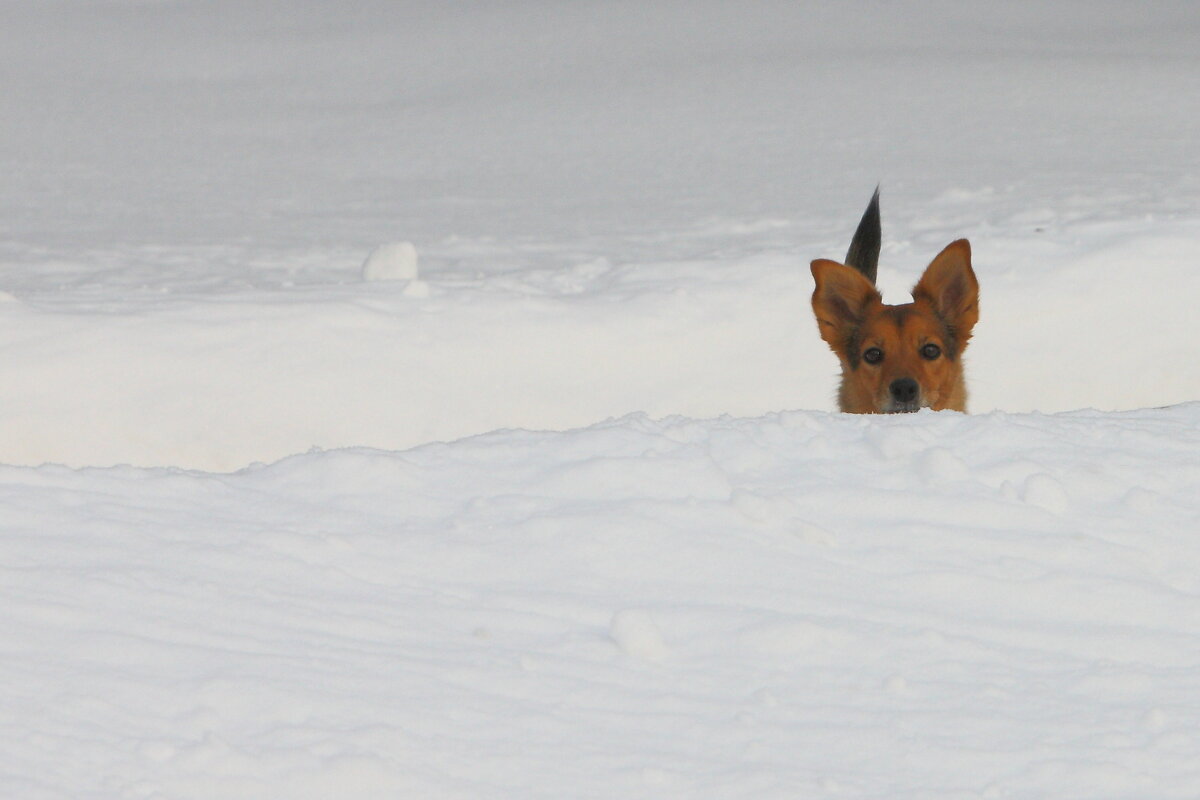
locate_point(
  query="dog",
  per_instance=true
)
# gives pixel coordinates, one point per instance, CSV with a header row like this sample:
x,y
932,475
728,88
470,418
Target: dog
x,y
897,358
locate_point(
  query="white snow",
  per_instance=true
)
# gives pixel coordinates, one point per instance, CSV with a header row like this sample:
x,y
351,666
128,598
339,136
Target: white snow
x,y
394,261
638,635
566,513
781,606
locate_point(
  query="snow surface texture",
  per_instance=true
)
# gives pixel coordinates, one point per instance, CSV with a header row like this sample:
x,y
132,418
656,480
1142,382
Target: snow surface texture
x,y
305,587
799,605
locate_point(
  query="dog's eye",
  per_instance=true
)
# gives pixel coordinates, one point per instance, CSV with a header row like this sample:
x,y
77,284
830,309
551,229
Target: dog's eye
x,y
873,355
930,352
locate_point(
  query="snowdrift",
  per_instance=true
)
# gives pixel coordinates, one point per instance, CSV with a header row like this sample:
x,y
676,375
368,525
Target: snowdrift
x,y
798,604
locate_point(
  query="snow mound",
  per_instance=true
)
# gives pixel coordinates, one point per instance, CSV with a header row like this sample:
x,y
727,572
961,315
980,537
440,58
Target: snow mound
x,y
396,261
638,635
931,605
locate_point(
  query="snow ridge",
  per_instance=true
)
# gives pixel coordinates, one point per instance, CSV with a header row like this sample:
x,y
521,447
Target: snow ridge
x,y
934,604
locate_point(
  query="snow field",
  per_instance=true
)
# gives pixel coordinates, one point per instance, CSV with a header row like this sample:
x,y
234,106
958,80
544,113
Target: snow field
x,y
496,336
614,208
246,552
933,605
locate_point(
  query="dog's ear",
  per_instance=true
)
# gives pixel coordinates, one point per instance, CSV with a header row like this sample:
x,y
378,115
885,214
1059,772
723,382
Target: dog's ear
x,y
840,302
950,287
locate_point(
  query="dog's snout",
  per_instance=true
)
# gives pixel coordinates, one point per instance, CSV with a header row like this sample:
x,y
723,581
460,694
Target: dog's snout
x,y
904,390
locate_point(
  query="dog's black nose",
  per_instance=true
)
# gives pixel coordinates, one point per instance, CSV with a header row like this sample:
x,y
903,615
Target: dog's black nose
x,y
904,390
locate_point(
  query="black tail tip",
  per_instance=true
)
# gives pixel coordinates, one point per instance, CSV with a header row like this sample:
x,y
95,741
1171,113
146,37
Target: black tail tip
x,y
863,254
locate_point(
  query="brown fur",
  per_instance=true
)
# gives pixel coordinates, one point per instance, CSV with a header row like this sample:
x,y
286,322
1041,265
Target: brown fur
x,y
853,320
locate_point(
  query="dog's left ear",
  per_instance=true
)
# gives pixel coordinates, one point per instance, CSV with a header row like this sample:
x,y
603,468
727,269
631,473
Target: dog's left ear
x,y
950,286
840,303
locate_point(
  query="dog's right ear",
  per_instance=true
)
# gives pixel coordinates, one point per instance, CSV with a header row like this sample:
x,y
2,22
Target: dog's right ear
x,y
840,302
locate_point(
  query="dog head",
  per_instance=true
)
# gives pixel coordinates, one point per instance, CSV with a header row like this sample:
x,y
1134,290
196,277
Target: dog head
x,y
904,357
